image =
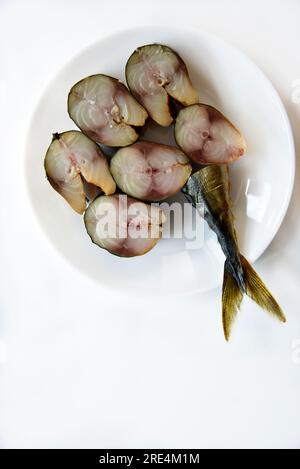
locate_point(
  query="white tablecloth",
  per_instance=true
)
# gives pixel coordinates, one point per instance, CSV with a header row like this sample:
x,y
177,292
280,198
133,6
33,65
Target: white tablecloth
x,y
81,367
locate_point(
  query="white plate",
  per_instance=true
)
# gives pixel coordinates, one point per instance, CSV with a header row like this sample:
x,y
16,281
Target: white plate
x,y
261,182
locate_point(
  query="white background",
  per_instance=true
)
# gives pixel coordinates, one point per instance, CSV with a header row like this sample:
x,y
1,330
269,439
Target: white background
x,y
81,367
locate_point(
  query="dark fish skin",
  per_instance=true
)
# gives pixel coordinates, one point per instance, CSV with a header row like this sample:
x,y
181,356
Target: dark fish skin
x,y
210,186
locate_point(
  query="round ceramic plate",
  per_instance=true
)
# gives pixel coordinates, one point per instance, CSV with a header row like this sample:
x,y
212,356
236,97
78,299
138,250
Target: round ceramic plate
x,y
262,181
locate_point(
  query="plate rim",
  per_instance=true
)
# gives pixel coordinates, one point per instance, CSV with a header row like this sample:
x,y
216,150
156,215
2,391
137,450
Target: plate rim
x,y
173,28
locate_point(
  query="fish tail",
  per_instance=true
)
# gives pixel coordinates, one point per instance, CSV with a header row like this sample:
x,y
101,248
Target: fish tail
x,y
254,288
232,297
258,292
